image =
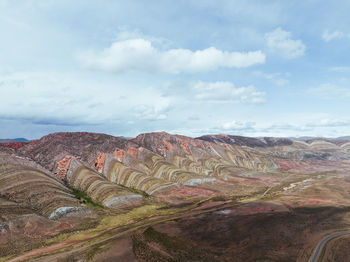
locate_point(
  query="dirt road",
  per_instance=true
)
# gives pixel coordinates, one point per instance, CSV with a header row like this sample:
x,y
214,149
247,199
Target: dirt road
x,y
318,251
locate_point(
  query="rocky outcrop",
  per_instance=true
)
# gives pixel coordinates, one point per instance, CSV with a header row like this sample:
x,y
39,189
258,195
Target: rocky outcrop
x,y
129,177
201,153
62,167
99,162
132,151
82,145
119,155
13,145
35,190
99,189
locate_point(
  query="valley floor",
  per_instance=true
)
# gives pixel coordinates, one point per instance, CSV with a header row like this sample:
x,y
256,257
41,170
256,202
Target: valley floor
x,y
278,226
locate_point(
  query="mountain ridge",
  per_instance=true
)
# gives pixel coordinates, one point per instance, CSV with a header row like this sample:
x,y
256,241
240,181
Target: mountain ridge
x,y
67,179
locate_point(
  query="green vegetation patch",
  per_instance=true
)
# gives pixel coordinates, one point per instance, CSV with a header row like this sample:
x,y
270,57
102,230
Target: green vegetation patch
x,y
85,199
137,191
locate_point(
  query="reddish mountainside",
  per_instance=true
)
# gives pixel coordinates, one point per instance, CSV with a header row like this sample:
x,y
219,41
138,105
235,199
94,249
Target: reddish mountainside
x,y
64,176
14,145
85,145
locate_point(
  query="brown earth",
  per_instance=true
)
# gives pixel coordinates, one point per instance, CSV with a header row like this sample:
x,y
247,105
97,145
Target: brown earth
x,y
279,197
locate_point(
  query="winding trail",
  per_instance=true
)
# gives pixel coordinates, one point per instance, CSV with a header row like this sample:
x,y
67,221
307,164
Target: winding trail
x,y
316,255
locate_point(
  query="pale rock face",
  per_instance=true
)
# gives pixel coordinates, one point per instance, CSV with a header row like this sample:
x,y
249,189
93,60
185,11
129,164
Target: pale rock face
x,y
64,211
99,189
198,181
122,201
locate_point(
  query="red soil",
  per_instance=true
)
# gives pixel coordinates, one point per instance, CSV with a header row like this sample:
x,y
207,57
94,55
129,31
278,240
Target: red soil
x,y
62,167
13,145
133,151
168,145
100,161
293,164
119,154
184,146
186,191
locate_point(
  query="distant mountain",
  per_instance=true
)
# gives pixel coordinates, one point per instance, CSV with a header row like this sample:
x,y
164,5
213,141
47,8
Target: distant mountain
x,y
304,138
246,141
19,139
343,138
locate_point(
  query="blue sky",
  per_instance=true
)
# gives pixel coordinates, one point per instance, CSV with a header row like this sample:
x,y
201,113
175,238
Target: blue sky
x,y
254,68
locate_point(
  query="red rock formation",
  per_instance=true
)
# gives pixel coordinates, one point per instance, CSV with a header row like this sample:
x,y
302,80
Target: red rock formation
x,y
100,161
168,145
184,146
62,167
119,155
227,147
132,151
13,145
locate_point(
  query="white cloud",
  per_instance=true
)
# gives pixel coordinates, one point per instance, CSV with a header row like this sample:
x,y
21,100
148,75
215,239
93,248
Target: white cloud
x,y
125,33
331,127
329,90
140,55
281,42
238,125
234,127
277,78
48,98
157,111
330,122
291,125
227,92
328,36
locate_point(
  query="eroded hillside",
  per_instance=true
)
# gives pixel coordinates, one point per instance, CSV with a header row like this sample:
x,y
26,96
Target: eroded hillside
x,y
65,182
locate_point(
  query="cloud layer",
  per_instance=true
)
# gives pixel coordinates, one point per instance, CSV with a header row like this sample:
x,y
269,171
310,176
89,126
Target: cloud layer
x,y
281,42
328,36
65,100
141,55
125,67
227,92
277,78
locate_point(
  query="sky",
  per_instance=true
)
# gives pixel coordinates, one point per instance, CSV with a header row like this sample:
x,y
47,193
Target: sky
x,y
252,68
